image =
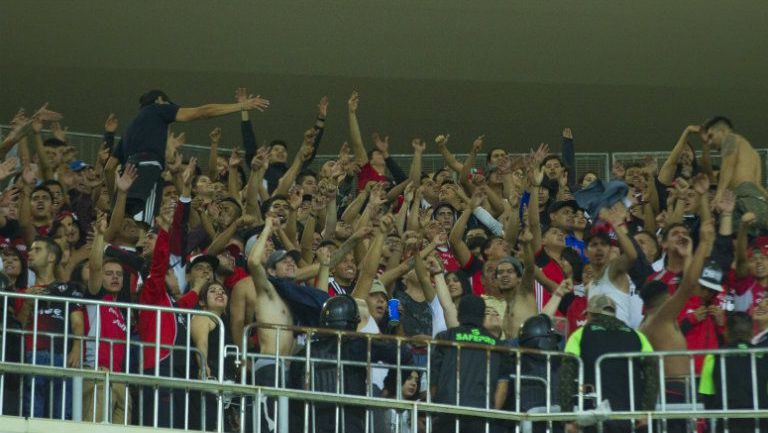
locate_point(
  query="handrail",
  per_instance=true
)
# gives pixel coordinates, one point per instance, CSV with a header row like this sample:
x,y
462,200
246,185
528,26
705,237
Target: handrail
x,y
213,387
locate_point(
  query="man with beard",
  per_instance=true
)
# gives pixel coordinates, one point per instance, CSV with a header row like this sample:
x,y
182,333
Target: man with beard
x,y
750,278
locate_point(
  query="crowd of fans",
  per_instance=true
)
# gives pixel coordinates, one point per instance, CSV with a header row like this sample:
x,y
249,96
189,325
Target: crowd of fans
x,y
669,257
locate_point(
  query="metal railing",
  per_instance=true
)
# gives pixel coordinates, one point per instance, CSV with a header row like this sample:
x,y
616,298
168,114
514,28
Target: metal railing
x,y
692,405
52,348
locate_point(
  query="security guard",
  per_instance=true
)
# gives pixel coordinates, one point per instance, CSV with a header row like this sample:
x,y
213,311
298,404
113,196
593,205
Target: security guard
x,y
604,333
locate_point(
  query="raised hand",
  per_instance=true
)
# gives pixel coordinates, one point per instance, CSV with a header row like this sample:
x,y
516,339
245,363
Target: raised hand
x,y
29,174
174,142
111,124
46,115
123,182
174,164
616,215
564,288
189,172
442,140
322,107
58,131
693,129
295,196
353,102
568,134
235,158
419,145
254,103
324,256
344,154
540,153
241,94
434,265
19,119
246,221
748,219
9,167
381,144
727,202
215,135
701,183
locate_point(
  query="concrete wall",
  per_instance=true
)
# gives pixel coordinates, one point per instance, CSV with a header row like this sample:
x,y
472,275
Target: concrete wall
x,y
625,75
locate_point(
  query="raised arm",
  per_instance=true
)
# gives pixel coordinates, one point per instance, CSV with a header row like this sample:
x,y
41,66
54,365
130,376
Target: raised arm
x,y
418,149
304,153
371,260
667,170
616,215
354,130
186,114
456,237
123,184
95,263
258,273
213,154
442,147
469,163
671,308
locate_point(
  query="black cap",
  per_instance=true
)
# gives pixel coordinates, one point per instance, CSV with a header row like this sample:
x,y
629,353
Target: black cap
x,y
204,258
556,206
278,255
471,310
712,276
150,97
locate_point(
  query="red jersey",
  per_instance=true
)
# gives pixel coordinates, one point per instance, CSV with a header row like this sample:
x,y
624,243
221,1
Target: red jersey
x,y
368,174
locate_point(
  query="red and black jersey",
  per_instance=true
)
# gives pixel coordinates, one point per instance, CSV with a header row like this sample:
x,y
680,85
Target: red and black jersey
x,y
51,316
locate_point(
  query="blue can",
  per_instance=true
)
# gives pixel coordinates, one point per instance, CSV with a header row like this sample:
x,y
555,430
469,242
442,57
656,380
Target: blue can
x,y
394,311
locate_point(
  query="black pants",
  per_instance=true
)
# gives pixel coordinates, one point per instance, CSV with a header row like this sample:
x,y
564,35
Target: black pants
x,y
146,192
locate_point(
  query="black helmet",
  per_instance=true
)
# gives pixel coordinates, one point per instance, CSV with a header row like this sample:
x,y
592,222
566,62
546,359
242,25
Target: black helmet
x,y
5,283
537,333
340,312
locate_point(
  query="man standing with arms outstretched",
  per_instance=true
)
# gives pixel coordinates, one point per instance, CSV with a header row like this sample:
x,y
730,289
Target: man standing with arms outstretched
x,y
145,139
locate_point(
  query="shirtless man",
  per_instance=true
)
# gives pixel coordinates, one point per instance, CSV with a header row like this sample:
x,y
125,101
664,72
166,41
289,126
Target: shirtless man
x,y
515,282
740,171
611,273
662,309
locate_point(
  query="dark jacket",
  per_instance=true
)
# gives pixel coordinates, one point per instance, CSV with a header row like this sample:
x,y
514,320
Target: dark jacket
x,y
602,335
473,371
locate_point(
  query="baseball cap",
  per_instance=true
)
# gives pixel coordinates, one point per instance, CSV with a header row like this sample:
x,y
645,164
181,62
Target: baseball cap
x,y
556,206
203,258
759,245
514,262
78,165
378,287
278,255
601,304
712,276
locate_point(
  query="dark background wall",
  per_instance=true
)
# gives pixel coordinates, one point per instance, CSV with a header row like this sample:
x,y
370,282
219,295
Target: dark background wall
x,y
625,75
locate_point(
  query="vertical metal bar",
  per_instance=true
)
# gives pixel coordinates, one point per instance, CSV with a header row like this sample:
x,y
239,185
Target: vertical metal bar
x,y
158,318
34,356
127,365
548,395
663,391
106,409
220,399
65,358
457,402
307,384
187,361
724,387
2,350
428,421
598,382
692,379
631,370
257,421
338,379
487,385
369,379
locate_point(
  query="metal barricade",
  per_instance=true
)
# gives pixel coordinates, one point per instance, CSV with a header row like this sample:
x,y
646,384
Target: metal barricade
x,y
694,404
357,351
37,345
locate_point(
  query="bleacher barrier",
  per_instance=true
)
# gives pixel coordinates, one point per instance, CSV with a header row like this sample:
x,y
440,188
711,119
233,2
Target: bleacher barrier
x,y
298,397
